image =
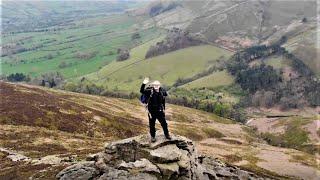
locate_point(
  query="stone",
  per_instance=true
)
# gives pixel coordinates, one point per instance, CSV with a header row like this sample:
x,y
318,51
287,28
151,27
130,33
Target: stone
x,y
168,153
14,156
91,157
80,171
169,170
142,165
184,162
51,159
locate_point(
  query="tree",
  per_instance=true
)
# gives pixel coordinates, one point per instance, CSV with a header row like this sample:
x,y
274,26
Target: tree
x,y
17,77
51,79
304,20
63,64
110,53
123,55
49,56
258,77
135,36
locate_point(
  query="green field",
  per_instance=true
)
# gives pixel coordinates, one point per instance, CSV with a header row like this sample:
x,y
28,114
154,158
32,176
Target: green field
x,y
166,68
99,37
19,16
277,62
216,79
305,47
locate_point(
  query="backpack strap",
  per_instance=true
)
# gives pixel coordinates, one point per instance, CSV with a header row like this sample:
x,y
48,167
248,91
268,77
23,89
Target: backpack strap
x,y
150,96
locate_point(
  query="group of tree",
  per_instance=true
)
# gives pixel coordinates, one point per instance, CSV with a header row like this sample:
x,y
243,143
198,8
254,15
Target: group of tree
x,y
84,86
221,109
265,84
15,48
18,77
135,36
162,6
64,64
176,39
85,55
123,54
10,49
50,79
260,77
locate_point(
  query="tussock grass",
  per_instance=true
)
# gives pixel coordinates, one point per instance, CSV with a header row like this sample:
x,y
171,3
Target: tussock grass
x,y
212,133
294,135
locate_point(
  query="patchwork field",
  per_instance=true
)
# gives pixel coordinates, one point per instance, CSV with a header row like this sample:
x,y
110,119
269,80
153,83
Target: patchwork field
x,y
81,47
166,68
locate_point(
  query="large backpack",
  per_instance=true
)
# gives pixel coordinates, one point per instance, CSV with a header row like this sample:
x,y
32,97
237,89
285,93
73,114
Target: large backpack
x,y
144,99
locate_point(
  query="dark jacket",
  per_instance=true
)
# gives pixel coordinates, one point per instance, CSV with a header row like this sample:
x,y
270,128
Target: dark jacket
x,y
156,100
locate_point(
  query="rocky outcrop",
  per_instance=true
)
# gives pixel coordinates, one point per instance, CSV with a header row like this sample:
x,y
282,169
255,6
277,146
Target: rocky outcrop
x,y
175,40
137,158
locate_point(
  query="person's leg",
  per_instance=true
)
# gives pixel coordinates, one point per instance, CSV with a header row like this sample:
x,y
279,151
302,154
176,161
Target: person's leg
x,y
163,122
152,124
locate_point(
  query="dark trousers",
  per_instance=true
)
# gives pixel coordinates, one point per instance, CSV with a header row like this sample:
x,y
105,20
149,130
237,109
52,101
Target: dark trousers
x,y
152,122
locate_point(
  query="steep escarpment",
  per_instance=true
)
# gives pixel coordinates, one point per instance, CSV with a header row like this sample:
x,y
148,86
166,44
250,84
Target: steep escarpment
x,y
137,158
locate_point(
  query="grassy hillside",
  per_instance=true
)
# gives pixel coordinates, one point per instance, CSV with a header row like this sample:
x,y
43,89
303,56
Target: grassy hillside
x,y
295,129
216,79
306,47
75,49
234,19
68,127
165,68
31,15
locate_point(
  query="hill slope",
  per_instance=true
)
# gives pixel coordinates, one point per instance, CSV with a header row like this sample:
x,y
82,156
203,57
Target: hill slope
x,y
80,48
233,22
166,68
216,79
51,128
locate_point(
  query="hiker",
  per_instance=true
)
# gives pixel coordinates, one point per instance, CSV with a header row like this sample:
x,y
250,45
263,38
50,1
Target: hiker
x,y
154,98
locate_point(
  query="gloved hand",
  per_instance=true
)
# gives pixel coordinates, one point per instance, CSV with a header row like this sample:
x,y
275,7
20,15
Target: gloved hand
x,y
146,80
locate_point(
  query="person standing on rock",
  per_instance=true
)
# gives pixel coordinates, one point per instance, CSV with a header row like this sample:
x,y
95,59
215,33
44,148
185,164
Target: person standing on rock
x,y
155,100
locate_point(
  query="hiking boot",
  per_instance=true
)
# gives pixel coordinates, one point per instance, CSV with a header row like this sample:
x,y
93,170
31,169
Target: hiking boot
x,y
168,137
153,139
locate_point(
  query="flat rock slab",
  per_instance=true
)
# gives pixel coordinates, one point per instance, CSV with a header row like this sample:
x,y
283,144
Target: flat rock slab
x,y
142,165
14,156
165,154
80,171
169,170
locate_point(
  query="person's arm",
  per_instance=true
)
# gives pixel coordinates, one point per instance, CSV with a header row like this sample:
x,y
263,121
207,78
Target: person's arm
x,y
143,85
142,91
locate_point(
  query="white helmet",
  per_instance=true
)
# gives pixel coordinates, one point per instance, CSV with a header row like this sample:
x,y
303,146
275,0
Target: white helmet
x,y
156,84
